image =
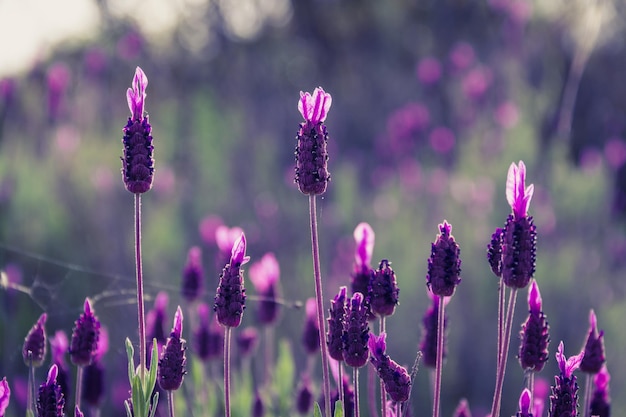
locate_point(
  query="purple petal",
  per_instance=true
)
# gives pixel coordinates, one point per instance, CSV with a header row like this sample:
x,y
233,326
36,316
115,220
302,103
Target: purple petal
x,y
517,194
137,95
534,297
265,272
593,322
52,375
87,307
311,310
524,402
314,108
364,237
178,323
568,366
377,344
238,253
5,395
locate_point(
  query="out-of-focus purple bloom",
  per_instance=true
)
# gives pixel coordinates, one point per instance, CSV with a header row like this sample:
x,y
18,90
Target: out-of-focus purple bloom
x,y
231,295
130,45
384,290
519,239
405,125
207,228
429,70
155,323
462,410
360,279
336,320
7,90
601,402
50,400
594,357
396,379
348,394
193,275
428,343
506,114
564,398
208,338
311,333
615,152
225,238
476,83
494,252
59,347
525,409
462,56
138,160
356,332
533,351
5,396
85,337
34,349
265,275
247,341
541,391
173,360
258,408
304,396
58,78
444,264
93,384
312,174
442,139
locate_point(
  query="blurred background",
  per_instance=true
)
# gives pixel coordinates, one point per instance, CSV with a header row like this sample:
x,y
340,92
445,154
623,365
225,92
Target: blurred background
x,y
432,101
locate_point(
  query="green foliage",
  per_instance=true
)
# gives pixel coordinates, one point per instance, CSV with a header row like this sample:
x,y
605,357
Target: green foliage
x,y
284,378
143,402
317,412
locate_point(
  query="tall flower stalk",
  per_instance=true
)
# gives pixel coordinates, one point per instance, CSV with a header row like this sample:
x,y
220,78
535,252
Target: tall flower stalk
x,y
593,358
312,177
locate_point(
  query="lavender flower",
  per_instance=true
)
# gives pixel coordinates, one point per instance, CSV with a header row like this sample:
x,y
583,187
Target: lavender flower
x,y
524,404
428,344
172,363
84,337
138,161
311,155
462,410
93,375
34,349
50,400
601,402
396,379
444,264
231,295
304,396
336,320
356,333
59,346
208,338
247,341
533,351
519,238
564,398
494,252
264,275
193,275
155,320
360,279
311,333
5,396
593,358
384,290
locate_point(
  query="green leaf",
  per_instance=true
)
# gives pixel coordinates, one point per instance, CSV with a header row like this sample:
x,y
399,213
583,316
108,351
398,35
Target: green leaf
x,y
130,352
152,374
317,412
338,409
29,413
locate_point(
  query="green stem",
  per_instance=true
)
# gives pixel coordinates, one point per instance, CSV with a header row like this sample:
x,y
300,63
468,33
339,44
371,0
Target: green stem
x,y
439,365
227,334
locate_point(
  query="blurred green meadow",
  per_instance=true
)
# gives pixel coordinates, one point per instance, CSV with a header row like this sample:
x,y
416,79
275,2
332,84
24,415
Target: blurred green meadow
x,y
432,101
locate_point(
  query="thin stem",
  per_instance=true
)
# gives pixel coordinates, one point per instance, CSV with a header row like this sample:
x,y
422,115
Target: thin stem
x,y
170,402
340,387
31,397
227,334
497,396
140,306
371,390
383,394
587,400
355,378
439,366
531,384
320,301
501,298
79,384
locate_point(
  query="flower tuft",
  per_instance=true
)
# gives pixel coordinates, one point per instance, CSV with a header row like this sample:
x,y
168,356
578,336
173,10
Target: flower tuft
x,y
50,400
355,333
494,252
311,333
173,360
444,264
517,194
231,295
594,357
336,320
34,348
384,290
533,351
564,398
524,404
85,337
5,396
193,275
265,275
396,378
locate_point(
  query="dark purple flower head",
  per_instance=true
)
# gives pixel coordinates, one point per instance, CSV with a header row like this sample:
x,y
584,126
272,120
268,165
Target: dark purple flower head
x,y
5,396
428,344
462,410
85,337
247,341
311,154
208,338
264,275
564,398
384,290
138,160
231,295
193,275
258,408
525,409
396,378
444,264
34,349
494,252
311,333
304,396
519,238
93,384
355,333
533,351
601,402
156,319
593,358
336,320
50,400
173,360
59,345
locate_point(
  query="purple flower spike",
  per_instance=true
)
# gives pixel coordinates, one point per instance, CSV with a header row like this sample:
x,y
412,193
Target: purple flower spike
x,y
336,320
564,398
524,404
193,275
463,409
172,363
247,341
593,358
384,290
304,396
5,396
138,161
601,402
85,337
137,94
231,295
377,347
50,400
311,154
311,334
264,276
34,349
364,237
517,194
444,264
314,108
356,333
396,378
208,338
533,351
494,252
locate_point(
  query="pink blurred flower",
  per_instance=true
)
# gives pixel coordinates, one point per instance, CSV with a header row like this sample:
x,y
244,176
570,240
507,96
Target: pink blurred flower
x,y
507,114
208,228
615,152
476,83
442,139
429,71
462,56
